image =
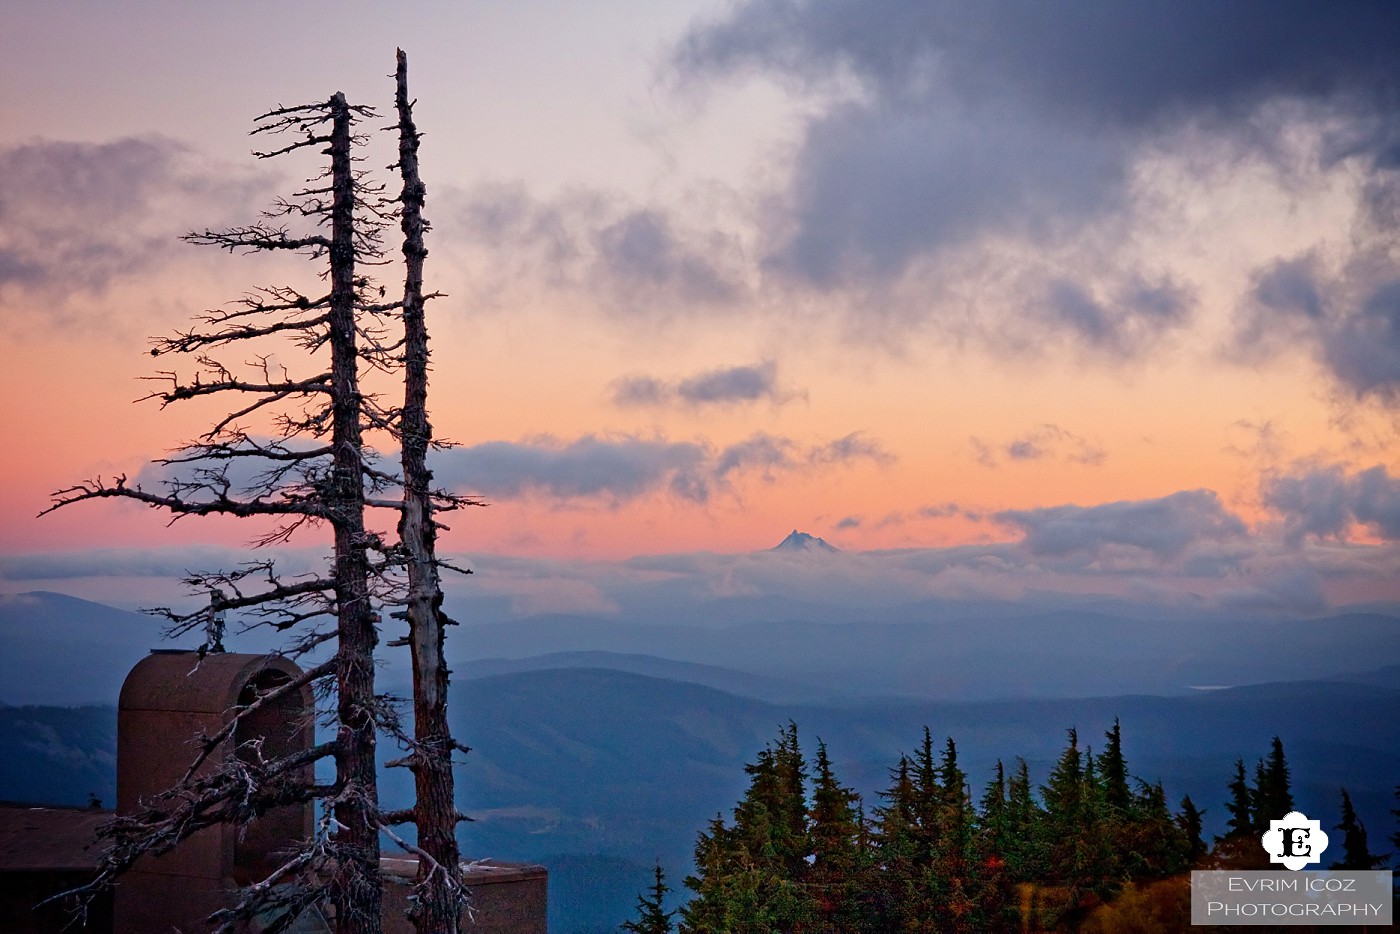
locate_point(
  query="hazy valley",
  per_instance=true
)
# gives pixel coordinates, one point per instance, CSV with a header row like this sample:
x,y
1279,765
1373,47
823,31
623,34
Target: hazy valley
x,y
597,761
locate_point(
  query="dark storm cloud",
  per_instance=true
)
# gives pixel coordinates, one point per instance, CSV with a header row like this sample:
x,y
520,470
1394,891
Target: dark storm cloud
x,y
722,386
1350,319
949,122
1290,287
872,191
1284,304
1325,501
1363,348
1095,60
1165,527
1378,502
624,468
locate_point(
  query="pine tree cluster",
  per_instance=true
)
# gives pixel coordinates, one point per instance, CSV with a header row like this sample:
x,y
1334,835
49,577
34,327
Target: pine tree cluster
x,y
1088,848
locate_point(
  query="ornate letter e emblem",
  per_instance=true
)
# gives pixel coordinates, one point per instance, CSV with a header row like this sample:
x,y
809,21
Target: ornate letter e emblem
x,y
1295,841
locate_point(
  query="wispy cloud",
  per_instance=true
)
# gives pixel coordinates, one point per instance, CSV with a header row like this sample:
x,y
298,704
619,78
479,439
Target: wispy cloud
x,y
639,262
1043,442
1122,326
622,468
852,447
723,386
900,517
79,216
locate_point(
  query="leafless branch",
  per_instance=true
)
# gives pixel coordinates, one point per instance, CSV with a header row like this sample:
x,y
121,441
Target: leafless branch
x,y
256,237
208,744
220,504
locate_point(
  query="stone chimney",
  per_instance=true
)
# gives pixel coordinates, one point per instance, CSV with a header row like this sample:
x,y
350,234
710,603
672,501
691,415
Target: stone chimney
x,y
168,699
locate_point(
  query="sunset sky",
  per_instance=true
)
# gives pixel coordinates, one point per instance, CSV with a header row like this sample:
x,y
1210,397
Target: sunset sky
x,y
1005,297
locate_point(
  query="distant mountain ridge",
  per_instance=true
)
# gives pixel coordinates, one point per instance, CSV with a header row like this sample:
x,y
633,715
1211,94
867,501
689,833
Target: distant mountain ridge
x,y
729,680
60,650
1056,654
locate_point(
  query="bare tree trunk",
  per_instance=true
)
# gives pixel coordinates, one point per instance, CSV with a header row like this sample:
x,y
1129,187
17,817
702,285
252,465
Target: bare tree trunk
x,y
439,894
326,482
357,892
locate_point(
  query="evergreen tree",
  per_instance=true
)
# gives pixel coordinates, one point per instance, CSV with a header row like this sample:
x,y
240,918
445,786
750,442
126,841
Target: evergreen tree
x,y
895,849
1239,847
750,878
933,863
1258,803
1063,795
1240,806
715,859
1142,834
928,800
1273,796
929,877
1395,812
652,916
954,802
791,808
834,831
908,845
1356,854
1025,857
1113,771
996,815
1190,820
1063,833
1101,832
955,879
1160,845
998,848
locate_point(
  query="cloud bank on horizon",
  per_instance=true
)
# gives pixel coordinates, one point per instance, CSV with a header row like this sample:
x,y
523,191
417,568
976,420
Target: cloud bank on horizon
x,y
1180,554
984,292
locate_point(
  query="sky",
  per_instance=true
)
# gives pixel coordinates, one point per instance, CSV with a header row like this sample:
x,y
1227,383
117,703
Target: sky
x,y
1000,299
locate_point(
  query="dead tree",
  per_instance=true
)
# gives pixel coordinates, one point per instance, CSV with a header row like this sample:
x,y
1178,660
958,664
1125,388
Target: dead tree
x,y
439,899
307,437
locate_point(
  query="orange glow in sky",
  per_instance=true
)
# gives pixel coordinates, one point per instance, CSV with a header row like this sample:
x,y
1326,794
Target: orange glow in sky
x,y
699,296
